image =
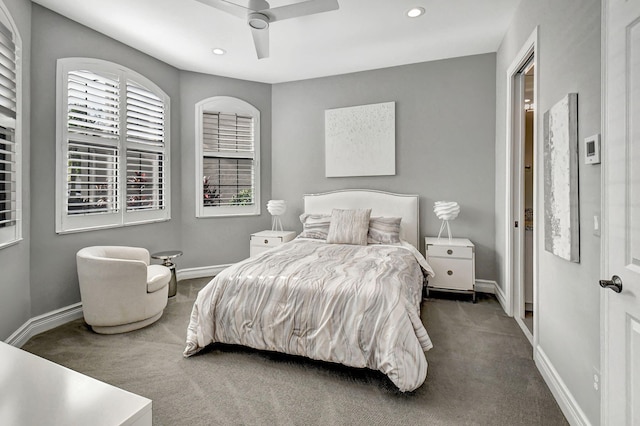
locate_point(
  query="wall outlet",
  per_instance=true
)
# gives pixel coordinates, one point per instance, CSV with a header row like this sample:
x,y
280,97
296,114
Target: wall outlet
x,y
596,380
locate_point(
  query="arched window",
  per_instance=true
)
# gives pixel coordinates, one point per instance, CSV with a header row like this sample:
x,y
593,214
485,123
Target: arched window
x,y
228,157
113,147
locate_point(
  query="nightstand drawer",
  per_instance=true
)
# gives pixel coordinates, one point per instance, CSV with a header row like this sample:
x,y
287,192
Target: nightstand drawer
x,y
455,274
450,251
265,241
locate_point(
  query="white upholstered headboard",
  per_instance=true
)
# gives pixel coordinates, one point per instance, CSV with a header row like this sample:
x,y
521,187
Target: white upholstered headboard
x,y
381,203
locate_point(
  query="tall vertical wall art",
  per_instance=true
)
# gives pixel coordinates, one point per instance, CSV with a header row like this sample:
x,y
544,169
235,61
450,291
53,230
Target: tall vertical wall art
x,y
361,140
561,207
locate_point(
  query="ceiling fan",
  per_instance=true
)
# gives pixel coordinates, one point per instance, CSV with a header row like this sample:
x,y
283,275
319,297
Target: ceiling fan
x,y
259,15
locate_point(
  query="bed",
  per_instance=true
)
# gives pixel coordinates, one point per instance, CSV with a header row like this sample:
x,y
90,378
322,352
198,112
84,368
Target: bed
x,y
353,304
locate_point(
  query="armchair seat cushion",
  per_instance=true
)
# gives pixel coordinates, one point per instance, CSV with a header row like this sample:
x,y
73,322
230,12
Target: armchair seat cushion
x,y
158,276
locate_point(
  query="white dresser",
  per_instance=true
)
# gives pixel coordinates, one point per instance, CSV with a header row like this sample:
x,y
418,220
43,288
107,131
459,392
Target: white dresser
x,y
454,263
35,391
265,240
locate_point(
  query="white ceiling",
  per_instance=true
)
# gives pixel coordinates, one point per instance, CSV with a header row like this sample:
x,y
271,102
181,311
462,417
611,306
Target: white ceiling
x,y
361,35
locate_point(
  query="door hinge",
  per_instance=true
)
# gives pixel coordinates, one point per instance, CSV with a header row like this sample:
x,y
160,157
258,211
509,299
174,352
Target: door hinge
x,y
516,224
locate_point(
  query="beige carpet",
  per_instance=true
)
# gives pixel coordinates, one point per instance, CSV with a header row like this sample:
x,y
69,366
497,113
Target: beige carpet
x,y
480,373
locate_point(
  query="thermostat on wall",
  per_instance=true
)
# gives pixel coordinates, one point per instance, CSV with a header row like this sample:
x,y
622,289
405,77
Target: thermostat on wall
x,y
592,149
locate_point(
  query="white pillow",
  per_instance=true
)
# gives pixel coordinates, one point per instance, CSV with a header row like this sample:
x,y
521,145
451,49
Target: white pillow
x,y
349,227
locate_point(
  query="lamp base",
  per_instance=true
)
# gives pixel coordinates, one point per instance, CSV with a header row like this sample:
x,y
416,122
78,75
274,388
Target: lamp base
x,y
276,223
445,223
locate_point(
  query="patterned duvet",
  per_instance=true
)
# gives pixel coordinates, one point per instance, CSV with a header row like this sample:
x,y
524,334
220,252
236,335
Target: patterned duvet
x,y
354,305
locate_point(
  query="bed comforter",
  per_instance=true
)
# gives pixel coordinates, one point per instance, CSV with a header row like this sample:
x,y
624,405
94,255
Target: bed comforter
x,y
354,305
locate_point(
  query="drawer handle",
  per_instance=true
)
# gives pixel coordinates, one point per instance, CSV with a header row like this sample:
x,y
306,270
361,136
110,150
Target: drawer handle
x,y
449,272
449,252
266,241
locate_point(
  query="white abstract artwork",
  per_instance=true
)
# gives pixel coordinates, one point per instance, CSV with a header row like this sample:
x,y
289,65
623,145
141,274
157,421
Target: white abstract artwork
x,y
361,140
561,215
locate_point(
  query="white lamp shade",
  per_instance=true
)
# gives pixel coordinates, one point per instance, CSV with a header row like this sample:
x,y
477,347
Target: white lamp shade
x,y
276,207
446,210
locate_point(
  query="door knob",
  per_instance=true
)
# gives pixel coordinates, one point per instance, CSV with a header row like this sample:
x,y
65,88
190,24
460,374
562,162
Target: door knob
x,y
615,284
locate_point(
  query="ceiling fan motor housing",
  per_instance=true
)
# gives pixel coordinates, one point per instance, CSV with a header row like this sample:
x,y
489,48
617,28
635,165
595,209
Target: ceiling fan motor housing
x,y
258,21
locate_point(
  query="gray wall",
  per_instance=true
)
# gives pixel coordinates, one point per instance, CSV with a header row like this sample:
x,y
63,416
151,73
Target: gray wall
x,y
205,242
445,135
568,302
54,282
33,288
219,240
15,303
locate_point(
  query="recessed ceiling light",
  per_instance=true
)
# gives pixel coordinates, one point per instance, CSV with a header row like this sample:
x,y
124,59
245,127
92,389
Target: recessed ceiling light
x,y
218,51
527,100
415,12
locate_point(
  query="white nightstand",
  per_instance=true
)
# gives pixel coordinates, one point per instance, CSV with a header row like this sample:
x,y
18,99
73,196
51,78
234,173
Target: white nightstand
x,y
454,263
264,240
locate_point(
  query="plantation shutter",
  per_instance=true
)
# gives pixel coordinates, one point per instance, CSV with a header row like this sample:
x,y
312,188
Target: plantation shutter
x,y
7,73
93,129
8,148
228,159
113,147
8,201
145,149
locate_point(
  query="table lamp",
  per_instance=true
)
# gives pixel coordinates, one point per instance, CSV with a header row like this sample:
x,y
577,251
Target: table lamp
x,y
276,208
446,211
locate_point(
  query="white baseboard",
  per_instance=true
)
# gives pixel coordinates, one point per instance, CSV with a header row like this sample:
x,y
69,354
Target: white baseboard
x,y
525,330
502,299
492,287
61,316
200,272
44,322
564,398
486,286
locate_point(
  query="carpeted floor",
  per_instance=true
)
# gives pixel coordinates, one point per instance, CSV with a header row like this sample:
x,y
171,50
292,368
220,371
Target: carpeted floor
x,y
480,373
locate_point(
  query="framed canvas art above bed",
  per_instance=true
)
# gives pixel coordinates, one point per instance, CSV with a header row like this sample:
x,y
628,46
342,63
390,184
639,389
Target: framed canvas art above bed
x,y
361,140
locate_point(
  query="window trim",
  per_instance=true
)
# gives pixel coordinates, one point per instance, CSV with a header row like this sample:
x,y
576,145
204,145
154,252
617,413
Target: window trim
x,y
231,105
71,224
11,235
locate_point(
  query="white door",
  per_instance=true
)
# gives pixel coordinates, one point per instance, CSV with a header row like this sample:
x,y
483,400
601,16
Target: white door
x,y
621,239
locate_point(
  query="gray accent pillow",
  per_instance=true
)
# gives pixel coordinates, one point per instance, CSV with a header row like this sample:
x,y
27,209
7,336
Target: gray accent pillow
x,y
349,227
315,226
384,230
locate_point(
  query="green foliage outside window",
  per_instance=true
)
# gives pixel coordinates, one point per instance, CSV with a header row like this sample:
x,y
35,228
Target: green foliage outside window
x,y
242,198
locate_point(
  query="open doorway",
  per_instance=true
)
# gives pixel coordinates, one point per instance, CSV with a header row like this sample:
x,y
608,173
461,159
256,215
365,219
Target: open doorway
x,y
527,182
522,200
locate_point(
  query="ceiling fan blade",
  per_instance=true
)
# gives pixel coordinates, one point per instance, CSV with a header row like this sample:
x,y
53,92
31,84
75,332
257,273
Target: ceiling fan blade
x,y
308,7
227,6
261,41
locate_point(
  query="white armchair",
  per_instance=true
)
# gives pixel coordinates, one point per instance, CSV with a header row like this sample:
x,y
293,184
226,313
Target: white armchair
x,y
120,290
